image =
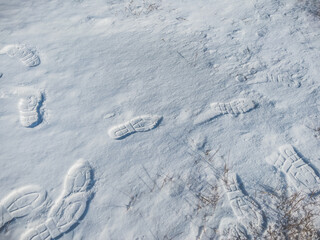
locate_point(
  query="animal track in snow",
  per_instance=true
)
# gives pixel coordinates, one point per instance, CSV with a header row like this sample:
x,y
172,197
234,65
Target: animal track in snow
x,y
246,210
234,108
300,174
69,207
20,202
28,57
29,109
139,124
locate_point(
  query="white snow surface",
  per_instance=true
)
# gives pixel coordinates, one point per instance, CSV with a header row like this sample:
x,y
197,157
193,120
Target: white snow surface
x,y
106,62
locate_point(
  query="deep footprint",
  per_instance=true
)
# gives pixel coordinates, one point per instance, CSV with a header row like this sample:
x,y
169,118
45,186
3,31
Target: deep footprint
x,y
29,110
24,54
299,173
21,202
139,124
69,207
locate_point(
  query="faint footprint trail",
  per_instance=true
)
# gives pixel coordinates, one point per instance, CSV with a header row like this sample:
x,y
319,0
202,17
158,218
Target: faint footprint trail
x,y
28,57
139,124
245,208
69,207
298,172
29,110
234,108
21,202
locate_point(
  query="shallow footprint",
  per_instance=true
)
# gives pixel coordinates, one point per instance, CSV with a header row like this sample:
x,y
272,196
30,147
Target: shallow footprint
x,y
28,57
300,174
234,108
21,202
232,229
29,110
69,207
139,124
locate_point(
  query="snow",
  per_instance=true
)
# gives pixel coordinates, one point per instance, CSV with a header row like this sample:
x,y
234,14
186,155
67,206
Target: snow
x,y
104,63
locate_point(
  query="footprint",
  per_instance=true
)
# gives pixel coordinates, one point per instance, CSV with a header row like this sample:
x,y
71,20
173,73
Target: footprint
x,y
29,109
21,202
299,173
246,209
241,78
69,207
109,115
234,108
142,7
284,78
139,124
231,229
24,54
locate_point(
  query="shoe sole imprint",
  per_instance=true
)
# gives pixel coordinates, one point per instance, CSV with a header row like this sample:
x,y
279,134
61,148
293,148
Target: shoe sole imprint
x,y
236,107
284,79
69,207
299,173
246,209
67,213
20,203
139,124
29,110
24,54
